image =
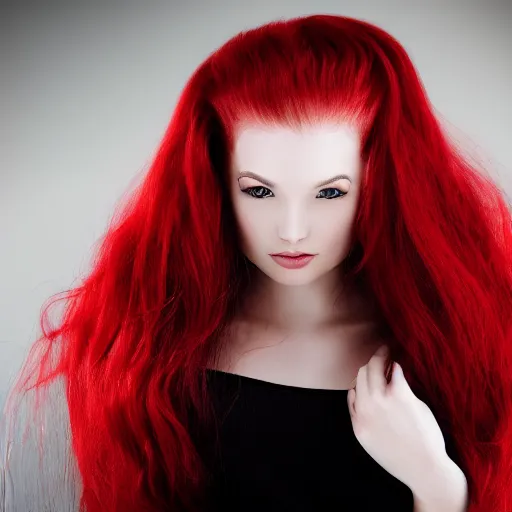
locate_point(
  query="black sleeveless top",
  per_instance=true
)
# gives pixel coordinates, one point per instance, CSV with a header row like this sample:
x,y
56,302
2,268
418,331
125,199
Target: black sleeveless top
x,y
286,448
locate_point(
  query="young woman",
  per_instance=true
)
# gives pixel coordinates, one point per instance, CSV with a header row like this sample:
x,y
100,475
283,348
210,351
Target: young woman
x,y
304,306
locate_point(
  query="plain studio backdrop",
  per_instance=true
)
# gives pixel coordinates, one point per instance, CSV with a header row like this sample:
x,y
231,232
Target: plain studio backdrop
x,y
88,88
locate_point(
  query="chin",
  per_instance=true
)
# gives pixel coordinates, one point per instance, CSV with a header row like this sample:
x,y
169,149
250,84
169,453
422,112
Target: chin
x,y
292,277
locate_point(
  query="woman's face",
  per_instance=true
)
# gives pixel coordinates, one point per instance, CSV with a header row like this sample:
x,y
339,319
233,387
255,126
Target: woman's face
x,y
295,191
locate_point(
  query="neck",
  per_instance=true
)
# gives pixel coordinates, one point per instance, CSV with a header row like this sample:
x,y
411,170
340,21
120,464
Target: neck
x,y
322,303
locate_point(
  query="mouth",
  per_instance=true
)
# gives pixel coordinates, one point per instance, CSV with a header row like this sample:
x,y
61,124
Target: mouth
x,y
292,254
292,260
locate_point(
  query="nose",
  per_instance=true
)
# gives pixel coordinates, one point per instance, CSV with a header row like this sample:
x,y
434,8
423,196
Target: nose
x,y
293,226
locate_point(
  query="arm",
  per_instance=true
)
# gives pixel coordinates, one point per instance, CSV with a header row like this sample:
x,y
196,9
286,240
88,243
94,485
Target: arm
x,y
445,490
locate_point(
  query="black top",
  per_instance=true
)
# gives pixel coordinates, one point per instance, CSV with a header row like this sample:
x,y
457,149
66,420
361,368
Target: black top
x,y
286,448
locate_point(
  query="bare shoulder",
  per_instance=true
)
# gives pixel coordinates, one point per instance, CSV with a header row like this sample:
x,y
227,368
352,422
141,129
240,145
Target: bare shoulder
x,y
326,358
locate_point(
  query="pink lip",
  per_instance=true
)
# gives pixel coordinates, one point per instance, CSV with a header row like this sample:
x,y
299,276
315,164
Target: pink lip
x,y
292,260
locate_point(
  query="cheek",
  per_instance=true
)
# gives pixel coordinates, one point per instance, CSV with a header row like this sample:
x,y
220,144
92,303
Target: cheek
x,y
253,222
334,231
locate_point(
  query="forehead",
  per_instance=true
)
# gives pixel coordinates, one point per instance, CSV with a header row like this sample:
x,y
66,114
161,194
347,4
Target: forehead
x,y
314,149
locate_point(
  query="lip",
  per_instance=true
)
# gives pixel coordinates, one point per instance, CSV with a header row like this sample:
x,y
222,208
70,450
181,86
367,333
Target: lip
x,y
292,260
291,254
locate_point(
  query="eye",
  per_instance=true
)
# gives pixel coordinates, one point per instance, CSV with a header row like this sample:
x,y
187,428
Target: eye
x,y
331,193
264,192
257,192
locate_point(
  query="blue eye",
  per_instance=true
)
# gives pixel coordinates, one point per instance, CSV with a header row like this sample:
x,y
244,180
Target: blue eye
x,y
263,192
330,195
257,192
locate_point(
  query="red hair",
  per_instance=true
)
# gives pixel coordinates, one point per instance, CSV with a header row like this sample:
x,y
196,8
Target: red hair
x,y
432,245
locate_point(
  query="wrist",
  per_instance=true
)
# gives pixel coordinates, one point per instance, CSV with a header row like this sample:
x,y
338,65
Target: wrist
x,y
443,489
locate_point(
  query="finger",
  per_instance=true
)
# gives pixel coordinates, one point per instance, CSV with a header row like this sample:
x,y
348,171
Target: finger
x,y
398,380
376,376
351,400
361,391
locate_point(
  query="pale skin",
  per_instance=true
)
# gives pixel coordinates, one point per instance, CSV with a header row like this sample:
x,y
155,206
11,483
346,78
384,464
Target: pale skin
x,y
298,191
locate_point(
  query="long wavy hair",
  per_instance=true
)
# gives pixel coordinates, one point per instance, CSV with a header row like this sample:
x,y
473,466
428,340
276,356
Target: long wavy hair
x,y
432,246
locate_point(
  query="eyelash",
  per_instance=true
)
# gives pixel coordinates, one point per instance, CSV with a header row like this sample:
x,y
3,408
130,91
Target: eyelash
x,y
249,191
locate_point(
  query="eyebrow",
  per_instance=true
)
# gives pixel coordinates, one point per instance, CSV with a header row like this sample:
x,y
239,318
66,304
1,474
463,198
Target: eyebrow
x,y
268,183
